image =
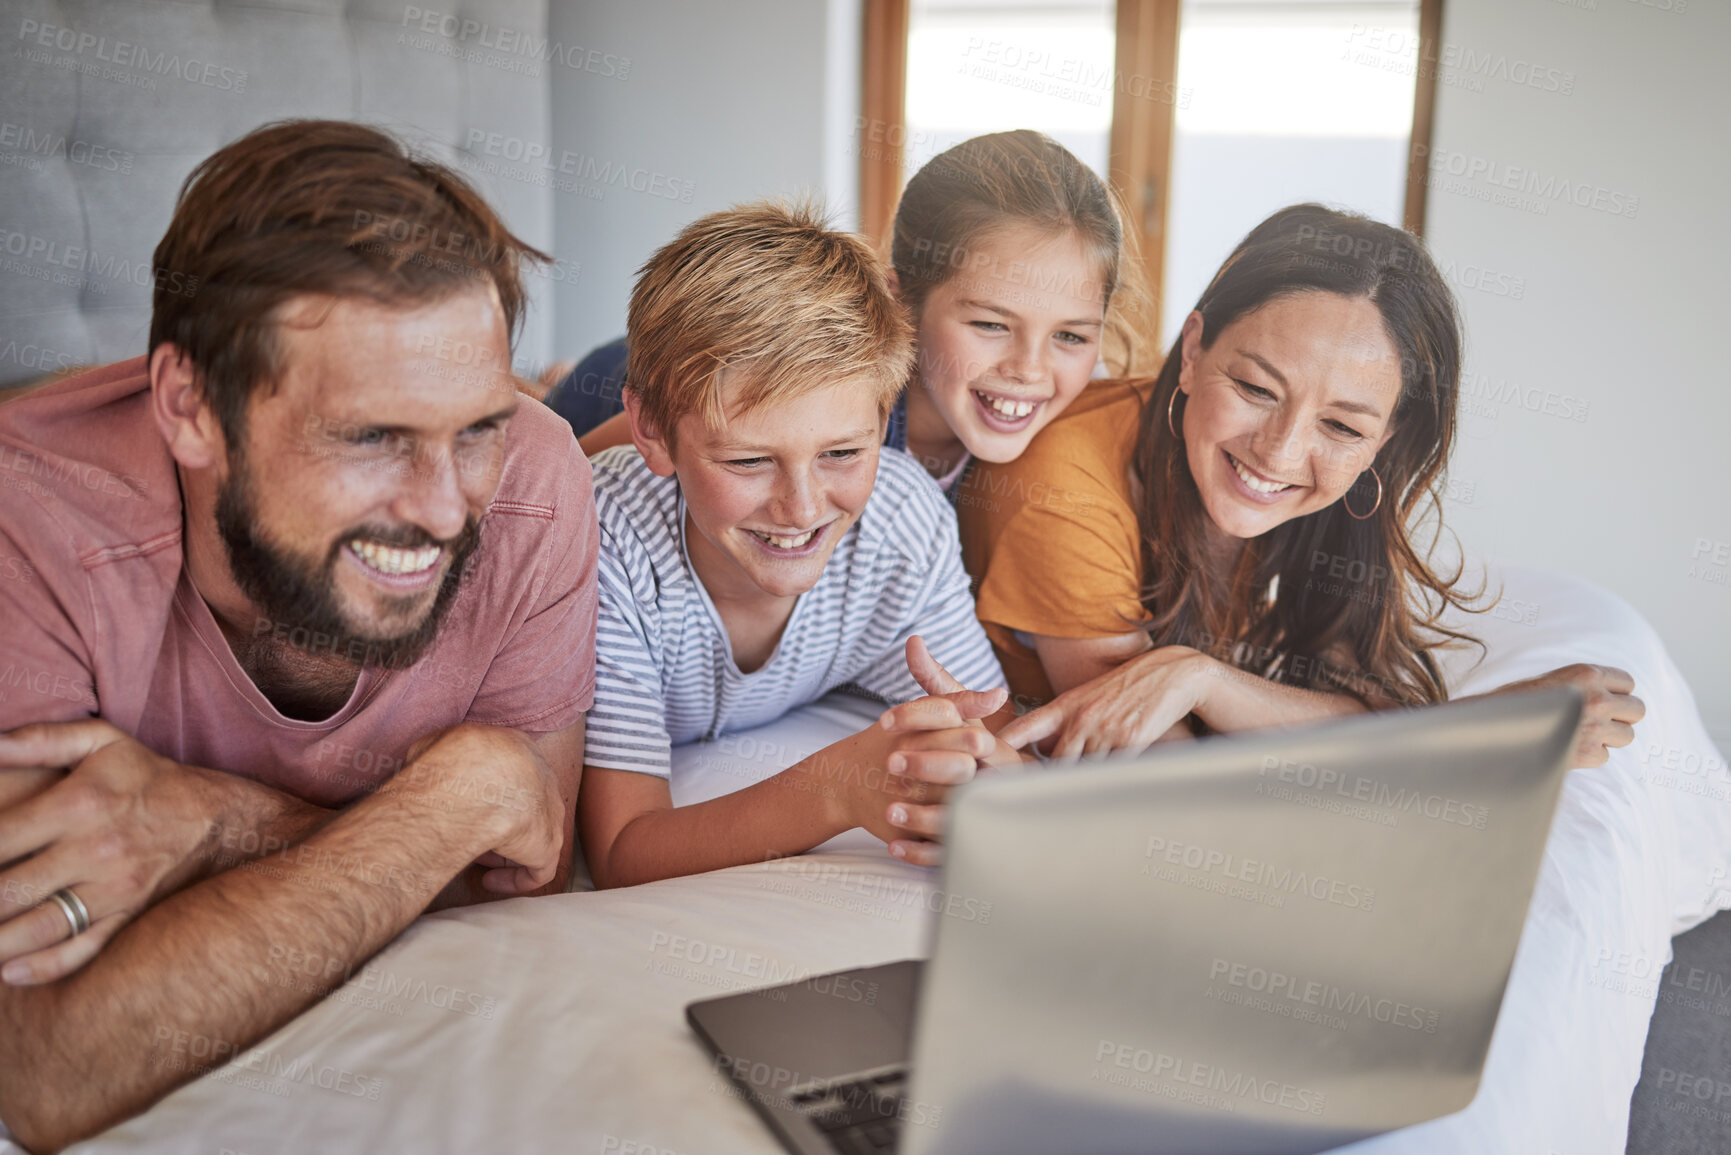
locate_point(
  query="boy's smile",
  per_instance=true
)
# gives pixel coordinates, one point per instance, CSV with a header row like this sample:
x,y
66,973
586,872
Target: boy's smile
x,y
770,493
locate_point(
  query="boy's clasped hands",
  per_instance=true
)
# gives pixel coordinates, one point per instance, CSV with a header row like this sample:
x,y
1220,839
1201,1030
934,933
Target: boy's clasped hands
x,y
925,748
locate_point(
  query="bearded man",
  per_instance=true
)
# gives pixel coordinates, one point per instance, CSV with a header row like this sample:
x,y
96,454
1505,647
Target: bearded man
x,y
297,625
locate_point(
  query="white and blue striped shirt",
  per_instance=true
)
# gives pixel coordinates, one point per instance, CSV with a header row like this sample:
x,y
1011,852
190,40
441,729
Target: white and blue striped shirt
x,y
664,668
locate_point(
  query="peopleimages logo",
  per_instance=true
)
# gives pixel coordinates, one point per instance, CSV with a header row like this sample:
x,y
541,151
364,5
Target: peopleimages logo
x,y
47,256
517,42
1260,873
1483,280
1323,996
1358,788
1503,391
1543,188
1456,62
59,146
128,55
877,887
544,162
1188,1080
59,473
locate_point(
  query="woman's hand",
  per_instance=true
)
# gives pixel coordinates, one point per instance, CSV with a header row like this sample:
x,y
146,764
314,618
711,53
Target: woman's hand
x,y
1130,708
1610,713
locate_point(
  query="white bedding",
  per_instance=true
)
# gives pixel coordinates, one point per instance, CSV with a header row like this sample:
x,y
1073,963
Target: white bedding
x,y
556,1024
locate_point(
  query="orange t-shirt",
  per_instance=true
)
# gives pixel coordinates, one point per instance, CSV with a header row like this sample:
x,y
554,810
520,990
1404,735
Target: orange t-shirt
x,y
1051,537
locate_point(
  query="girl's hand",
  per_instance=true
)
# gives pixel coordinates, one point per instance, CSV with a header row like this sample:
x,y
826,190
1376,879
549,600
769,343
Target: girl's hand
x,y
1611,708
1130,708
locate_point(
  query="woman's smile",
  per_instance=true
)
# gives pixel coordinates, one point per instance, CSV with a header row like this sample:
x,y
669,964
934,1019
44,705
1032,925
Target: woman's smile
x,y
1257,486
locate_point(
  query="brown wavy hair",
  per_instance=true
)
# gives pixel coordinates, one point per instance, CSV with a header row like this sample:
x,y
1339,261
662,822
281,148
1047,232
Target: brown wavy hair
x,y
320,207
1369,636
986,183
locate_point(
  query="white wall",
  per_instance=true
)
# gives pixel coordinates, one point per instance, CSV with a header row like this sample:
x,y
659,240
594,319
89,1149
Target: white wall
x,y
1620,315
722,102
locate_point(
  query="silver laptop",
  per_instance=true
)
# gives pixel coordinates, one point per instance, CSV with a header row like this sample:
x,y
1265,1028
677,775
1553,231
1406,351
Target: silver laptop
x,y
1278,942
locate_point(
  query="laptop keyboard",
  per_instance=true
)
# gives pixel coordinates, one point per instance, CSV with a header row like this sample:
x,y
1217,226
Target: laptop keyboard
x,y
859,1117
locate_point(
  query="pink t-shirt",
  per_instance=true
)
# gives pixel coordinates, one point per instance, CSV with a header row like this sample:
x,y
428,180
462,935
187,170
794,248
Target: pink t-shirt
x,y
98,617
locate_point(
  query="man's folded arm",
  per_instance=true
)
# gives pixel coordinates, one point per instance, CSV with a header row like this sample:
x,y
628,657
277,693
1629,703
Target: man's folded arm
x,y
563,751
78,1055
124,828
249,820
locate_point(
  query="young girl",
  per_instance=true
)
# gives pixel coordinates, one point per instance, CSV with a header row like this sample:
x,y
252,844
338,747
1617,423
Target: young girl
x,y
1010,255
1231,543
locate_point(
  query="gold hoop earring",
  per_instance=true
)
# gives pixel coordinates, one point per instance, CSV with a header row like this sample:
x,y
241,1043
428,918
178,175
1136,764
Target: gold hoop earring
x,y
1374,507
1173,400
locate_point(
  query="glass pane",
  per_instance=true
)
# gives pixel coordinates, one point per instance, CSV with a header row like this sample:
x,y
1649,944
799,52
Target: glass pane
x,y
1282,101
979,66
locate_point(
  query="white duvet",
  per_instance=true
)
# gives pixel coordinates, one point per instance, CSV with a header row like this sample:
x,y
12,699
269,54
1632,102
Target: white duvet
x,y
556,1024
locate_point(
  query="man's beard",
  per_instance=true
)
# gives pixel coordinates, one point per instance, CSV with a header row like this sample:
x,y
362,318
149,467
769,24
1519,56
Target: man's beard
x,y
298,599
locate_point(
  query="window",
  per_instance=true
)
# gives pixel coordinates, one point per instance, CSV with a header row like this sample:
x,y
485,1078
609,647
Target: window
x,y
1278,103
978,67
1205,114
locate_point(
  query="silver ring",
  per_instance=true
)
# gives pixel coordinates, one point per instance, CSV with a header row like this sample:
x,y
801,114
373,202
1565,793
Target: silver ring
x,y
73,908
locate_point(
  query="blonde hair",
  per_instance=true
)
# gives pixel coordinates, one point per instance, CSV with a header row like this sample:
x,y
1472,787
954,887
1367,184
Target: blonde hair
x,y
771,293
984,184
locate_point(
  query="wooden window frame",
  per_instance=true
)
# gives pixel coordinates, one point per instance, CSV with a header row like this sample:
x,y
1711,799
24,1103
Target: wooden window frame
x,y
883,115
1144,124
1430,15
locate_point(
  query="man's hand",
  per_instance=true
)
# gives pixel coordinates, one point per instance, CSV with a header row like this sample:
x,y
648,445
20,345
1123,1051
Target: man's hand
x,y
204,959
121,829
1610,712
499,776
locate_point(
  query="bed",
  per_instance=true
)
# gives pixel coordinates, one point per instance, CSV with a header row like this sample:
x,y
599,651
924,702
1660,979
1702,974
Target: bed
x,y
556,1024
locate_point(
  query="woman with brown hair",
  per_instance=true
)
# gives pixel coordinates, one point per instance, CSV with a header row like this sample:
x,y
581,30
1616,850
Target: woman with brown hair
x,y
1231,544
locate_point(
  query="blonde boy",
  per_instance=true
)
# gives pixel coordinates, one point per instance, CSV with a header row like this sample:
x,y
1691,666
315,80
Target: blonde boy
x,y
757,552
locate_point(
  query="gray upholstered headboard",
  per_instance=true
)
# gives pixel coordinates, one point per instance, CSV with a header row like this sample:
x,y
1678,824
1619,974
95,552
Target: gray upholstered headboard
x,y
105,106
